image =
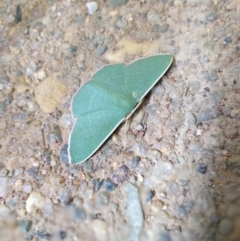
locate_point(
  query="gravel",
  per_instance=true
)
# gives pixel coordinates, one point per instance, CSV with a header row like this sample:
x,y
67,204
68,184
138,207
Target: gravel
x,y
4,186
134,211
202,168
109,185
92,7
116,3
208,114
211,75
211,17
121,175
100,50
64,154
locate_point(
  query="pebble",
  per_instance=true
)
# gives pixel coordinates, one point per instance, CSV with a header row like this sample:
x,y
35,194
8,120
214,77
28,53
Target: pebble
x,y
182,160
207,114
152,109
41,74
2,107
134,210
33,172
97,184
139,127
75,170
100,229
116,3
225,227
165,147
155,27
207,89
65,196
62,234
49,94
157,205
109,151
11,18
191,118
25,225
230,131
21,101
195,146
211,75
216,96
153,154
150,195
210,140
235,113
32,106
135,161
4,188
64,154
182,212
164,236
154,17
27,187
92,7
46,157
55,136
233,165
4,80
34,202
43,235
189,206
8,99
100,50
163,28
121,23
211,17
48,208
227,40
73,48
202,168
20,117
65,120
78,213
18,185
174,188
103,199
109,185
88,166
121,175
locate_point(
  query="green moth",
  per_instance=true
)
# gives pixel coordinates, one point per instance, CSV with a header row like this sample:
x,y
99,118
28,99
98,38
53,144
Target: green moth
x,y
103,102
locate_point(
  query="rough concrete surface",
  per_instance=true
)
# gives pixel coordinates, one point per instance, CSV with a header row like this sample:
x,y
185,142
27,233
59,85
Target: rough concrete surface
x,y
174,176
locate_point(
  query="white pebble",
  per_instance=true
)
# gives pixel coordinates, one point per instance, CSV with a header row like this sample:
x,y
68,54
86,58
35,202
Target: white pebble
x,y
41,74
35,201
92,7
27,187
32,106
4,188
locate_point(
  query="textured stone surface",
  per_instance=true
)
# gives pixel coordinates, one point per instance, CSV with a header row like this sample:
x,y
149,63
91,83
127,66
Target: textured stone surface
x,y
49,94
176,167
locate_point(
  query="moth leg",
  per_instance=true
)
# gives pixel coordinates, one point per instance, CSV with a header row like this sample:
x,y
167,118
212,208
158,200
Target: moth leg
x,y
127,127
129,117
